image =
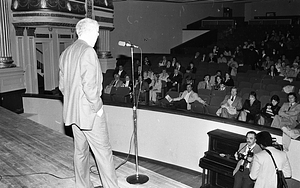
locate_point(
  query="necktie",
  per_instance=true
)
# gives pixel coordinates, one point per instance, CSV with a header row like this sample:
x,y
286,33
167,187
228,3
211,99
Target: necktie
x,y
232,98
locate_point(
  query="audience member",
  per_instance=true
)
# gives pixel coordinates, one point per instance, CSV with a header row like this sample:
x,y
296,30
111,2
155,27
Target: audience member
x,y
146,77
138,73
267,64
211,58
192,68
244,157
268,113
155,88
222,59
163,62
219,84
288,134
174,81
180,68
272,71
251,109
186,98
213,77
232,66
142,90
173,63
122,73
169,68
263,169
205,84
228,80
188,78
230,105
288,113
163,76
116,82
128,83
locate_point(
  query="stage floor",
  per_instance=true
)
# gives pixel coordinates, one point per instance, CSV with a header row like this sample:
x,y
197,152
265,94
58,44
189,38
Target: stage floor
x,y
34,156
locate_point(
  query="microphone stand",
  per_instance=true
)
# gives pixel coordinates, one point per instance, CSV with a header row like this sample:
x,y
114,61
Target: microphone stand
x,y
136,178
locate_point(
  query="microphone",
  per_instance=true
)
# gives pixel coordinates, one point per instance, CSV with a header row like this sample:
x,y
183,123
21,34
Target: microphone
x,y
122,43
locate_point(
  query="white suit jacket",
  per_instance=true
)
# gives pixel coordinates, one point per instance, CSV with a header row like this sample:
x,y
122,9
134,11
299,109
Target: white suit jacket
x,y
80,81
263,169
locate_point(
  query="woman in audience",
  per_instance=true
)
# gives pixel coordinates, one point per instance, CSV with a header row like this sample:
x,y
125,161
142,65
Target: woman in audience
x,y
155,87
251,109
219,85
272,71
228,80
268,113
192,68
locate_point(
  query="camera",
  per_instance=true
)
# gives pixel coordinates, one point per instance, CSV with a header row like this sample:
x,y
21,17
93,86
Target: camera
x,y
244,157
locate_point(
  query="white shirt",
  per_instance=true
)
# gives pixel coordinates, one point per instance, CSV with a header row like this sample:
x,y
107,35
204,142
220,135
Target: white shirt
x,y
186,97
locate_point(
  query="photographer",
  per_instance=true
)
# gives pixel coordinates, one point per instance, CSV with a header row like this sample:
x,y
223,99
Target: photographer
x,y
244,156
263,168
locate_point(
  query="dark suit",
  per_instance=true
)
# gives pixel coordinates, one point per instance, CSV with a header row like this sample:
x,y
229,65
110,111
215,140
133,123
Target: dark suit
x,y
242,179
254,110
122,75
174,79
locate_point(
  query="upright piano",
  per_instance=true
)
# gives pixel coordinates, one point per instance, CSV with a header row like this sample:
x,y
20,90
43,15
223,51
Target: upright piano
x,y
218,169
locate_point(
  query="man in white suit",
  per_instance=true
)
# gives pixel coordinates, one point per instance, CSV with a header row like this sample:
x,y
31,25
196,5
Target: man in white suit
x,y
81,84
263,169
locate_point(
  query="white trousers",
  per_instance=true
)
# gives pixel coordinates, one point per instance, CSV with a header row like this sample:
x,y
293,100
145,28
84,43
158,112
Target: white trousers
x,y
98,141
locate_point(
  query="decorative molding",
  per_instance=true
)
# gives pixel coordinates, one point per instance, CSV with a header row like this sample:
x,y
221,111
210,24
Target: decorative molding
x,y
104,19
6,62
46,14
104,10
59,6
30,31
27,24
19,31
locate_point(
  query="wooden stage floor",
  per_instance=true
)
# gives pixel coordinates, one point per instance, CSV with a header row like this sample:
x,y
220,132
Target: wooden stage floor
x,y
34,156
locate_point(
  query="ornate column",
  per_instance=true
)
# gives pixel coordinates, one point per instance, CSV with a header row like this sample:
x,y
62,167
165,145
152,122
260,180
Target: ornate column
x,y
103,44
5,43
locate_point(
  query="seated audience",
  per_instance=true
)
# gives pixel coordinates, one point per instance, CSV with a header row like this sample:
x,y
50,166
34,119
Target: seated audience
x,y
268,112
211,58
288,134
173,63
219,85
267,64
296,61
138,73
142,90
116,82
180,68
228,80
205,84
272,71
169,68
222,59
186,98
163,76
213,77
147,62
174,81
233,66
288,113
146,77
188,78
192,68
155,88
230,105
128,83
163,62
251,109
122,73
227,52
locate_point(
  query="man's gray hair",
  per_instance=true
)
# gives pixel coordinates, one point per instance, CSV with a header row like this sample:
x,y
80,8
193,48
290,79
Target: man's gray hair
x,y
86,25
